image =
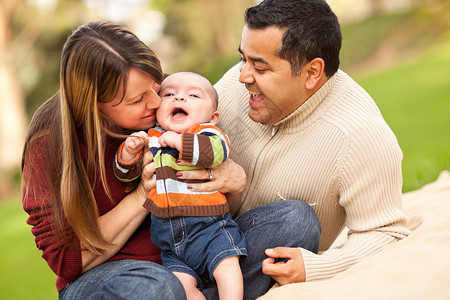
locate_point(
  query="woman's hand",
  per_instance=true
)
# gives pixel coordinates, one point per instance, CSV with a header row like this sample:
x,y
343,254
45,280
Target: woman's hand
x,y
228,178
291,271
147,183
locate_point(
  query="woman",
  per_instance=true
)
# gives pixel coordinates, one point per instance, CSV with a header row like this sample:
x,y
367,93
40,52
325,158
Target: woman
x,y
94,235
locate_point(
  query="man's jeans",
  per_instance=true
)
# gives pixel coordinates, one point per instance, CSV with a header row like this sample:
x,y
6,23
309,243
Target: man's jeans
x,y
125,279
287,223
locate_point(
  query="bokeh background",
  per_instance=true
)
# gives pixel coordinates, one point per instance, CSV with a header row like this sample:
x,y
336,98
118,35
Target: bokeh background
x,y
398,50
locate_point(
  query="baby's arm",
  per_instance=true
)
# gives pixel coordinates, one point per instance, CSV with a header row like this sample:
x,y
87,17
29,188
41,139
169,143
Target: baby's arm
x,y
171,139
205,146
132,145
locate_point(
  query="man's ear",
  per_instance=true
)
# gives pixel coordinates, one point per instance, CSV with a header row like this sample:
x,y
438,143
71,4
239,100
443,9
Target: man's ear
x,y
314,73
215,118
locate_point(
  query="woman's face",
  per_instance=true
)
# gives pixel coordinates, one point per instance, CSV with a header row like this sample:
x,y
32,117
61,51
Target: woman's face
x,y
137,111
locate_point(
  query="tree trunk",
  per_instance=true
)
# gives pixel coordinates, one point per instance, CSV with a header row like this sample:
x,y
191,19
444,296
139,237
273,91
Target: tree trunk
x,y
12,102
378,7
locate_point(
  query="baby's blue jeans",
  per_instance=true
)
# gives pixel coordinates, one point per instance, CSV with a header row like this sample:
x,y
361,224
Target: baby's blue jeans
x,y
287,223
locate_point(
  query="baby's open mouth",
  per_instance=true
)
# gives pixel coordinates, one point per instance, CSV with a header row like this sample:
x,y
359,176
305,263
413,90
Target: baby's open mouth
x,y
179,112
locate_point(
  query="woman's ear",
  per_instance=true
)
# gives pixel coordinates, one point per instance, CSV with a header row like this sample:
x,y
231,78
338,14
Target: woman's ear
x,y
215,118
314,73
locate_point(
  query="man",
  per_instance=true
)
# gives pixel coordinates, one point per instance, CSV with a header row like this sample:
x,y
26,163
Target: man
x,y
303,129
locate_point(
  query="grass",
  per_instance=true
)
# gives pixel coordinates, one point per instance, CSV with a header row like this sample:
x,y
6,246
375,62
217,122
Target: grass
x,y
370,33
24,274
414,99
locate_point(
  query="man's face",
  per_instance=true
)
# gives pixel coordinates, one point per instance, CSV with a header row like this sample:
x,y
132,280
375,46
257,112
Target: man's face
x,y
274,91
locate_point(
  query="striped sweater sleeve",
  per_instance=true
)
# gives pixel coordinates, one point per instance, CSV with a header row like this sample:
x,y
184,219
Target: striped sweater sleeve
x,y
204,145
128,171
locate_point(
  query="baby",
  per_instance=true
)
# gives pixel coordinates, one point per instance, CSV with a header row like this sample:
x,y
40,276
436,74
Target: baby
x,y
194,230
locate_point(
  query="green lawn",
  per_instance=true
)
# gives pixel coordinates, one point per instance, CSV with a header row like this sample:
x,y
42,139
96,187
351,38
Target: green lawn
x,y
414,99
24,275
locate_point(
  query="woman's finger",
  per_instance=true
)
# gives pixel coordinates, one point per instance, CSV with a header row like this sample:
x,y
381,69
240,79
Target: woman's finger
x,y
201,174
203,187
148,156
183,163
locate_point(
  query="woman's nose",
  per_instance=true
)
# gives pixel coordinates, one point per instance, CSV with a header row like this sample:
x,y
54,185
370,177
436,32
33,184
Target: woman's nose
x,y
154,101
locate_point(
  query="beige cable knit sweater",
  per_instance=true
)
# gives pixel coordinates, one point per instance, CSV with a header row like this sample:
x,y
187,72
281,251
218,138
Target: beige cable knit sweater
x,y
334,152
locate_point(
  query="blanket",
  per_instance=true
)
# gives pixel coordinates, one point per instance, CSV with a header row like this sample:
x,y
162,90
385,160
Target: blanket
x,y
417,267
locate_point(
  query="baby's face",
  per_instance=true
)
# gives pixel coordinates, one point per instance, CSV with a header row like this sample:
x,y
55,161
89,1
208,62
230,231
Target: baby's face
x,y
186,100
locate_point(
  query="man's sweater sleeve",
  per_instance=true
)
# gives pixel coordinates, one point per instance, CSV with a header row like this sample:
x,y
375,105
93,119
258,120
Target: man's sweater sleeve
x,y
370,182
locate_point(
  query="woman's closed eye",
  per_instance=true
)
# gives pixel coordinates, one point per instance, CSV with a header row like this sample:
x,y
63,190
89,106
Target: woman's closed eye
x,y
138,100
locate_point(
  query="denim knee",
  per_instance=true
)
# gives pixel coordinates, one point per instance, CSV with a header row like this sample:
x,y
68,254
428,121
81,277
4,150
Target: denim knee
x,y
301,224
288,223
126,279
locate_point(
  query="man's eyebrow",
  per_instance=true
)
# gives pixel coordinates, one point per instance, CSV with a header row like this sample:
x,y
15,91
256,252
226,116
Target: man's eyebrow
x,y
255,59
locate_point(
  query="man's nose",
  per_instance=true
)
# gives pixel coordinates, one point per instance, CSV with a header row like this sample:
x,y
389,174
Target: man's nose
x,y
245,76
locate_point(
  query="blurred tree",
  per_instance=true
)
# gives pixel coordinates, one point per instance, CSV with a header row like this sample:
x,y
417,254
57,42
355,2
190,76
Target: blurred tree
x,y
207,32
12,104
378,7
32,33
40,32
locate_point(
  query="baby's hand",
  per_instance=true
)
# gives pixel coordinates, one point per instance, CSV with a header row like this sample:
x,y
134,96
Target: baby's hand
x,y
170,139
133,144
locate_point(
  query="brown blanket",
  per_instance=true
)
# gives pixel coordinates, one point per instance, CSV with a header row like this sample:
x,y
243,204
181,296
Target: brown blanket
x,y
418,267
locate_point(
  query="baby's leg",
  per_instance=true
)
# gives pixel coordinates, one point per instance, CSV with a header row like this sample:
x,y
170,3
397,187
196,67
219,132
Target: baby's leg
x,y
229,280
190,286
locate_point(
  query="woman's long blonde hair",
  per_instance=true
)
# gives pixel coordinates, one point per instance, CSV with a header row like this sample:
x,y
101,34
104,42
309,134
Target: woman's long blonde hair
x,y
95,61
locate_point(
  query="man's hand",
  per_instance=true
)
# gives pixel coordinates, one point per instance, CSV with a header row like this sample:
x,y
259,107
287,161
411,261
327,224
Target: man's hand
x,y
291,271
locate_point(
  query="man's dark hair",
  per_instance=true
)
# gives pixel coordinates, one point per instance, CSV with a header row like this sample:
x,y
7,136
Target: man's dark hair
x,y
312,30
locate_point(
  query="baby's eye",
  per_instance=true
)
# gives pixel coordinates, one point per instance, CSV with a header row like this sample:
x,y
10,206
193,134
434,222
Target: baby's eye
x,y
194,96
168,94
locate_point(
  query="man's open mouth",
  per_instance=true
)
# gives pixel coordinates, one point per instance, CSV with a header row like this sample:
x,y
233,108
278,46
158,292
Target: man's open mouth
x,y
254,96
255,99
